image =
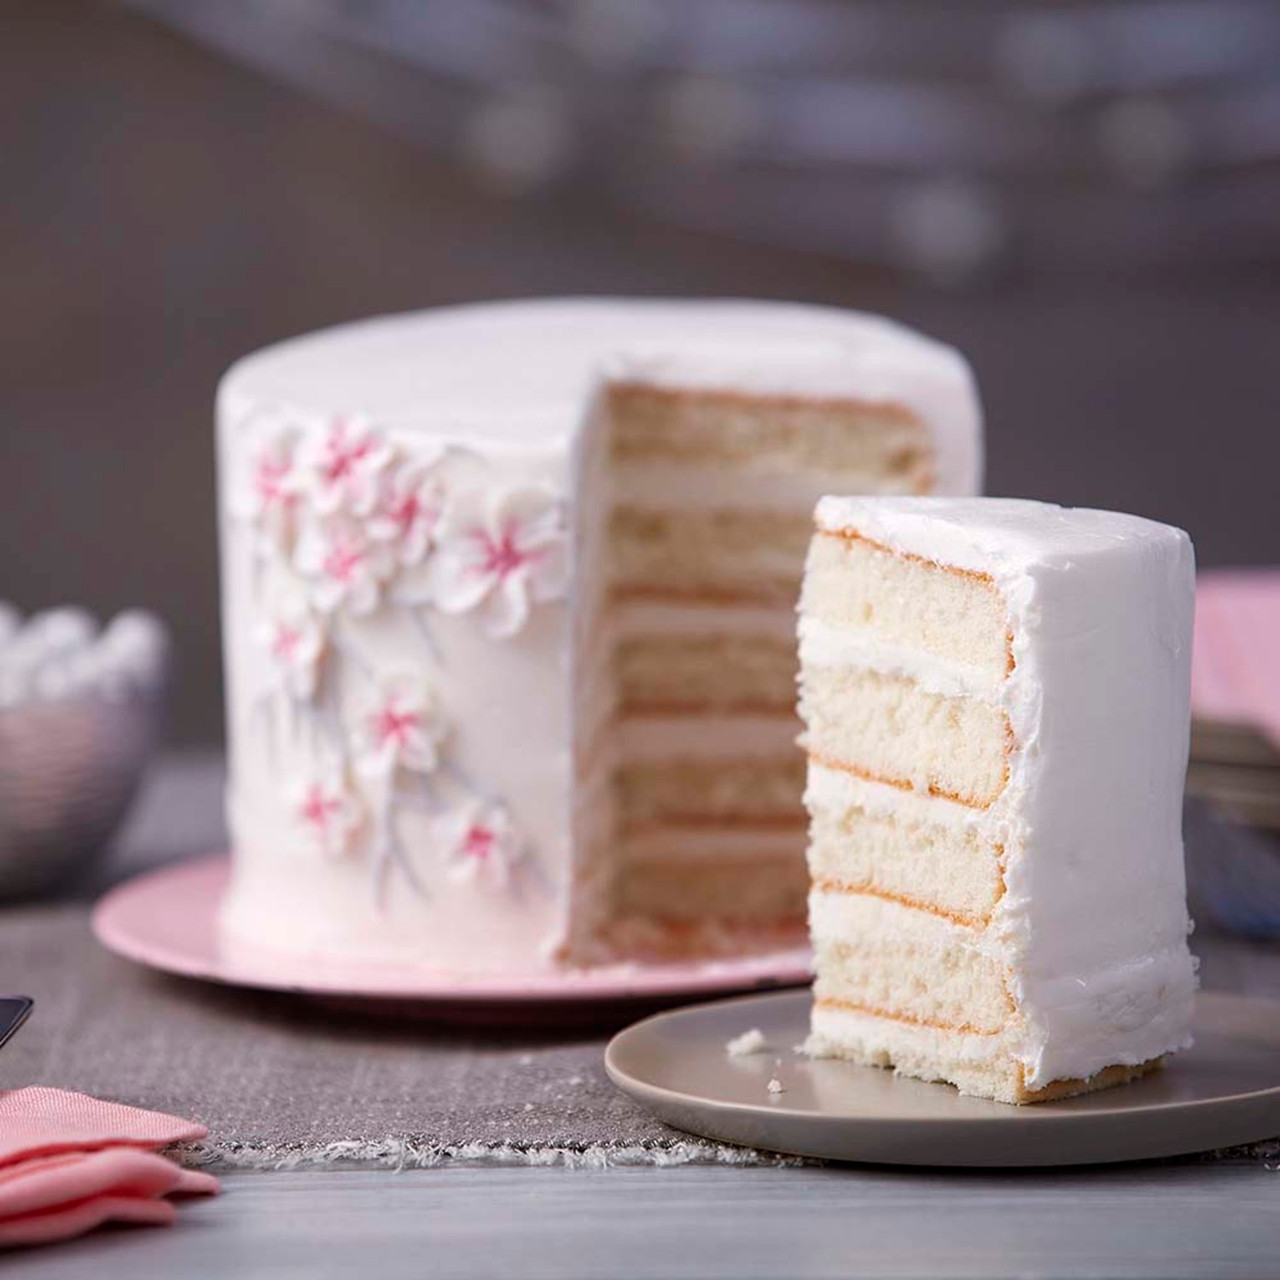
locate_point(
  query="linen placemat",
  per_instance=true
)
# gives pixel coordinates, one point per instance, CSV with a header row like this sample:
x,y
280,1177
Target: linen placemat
x,y
282,1080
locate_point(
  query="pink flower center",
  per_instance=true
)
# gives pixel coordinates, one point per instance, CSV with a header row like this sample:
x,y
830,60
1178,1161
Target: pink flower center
x,y
405,512
343,560
320,810
391,725
478,842
342,457
411,510
501,555
286,642
269,481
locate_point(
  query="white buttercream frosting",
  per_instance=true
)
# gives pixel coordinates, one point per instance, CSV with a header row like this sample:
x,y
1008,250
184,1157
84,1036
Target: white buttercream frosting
x,y
1093,923
519,375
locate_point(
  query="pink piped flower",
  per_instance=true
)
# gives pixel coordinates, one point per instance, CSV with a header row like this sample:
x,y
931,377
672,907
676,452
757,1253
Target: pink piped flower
x,y
408,511
481,844
499,552
293,643
343,566
329,814
402,729
342,464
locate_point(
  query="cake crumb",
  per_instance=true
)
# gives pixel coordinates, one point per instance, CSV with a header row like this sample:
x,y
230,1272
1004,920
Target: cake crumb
x,y
748,1042
775,1085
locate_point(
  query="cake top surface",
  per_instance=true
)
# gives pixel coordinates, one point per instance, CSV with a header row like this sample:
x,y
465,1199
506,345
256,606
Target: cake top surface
x,y
515,370
1000,533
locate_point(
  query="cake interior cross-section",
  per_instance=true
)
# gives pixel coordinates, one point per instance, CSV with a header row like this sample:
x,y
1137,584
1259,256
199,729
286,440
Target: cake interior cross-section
x,y
995,696
509,599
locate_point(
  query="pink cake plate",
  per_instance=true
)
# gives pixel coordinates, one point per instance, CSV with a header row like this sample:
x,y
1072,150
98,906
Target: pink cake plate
x,y
166,920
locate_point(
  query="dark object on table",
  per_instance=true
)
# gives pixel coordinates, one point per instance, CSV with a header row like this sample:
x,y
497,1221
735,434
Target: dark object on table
x,y
14,1011
1233,871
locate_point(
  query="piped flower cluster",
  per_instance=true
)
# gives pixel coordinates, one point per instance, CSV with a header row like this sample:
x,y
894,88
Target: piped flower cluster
x,y
359,518
361,524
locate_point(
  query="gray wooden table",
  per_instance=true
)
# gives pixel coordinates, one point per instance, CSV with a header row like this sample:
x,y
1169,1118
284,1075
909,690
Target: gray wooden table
x,y
1186,1218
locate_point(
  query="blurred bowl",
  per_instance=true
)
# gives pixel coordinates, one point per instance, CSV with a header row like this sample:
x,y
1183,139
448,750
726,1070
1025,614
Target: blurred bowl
x,y
69,770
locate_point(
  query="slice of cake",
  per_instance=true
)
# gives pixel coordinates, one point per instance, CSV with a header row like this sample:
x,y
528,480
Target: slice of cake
x,y
996,701
508,610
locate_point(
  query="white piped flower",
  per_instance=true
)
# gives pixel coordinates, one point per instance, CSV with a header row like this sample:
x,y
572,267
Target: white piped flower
x,y
330,813
293,641
343,567
481,844
408,510
269,492
403,728
341,465
499,551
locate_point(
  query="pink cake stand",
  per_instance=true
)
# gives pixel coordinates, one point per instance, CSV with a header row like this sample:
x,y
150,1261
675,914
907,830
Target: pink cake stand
x,y
167,920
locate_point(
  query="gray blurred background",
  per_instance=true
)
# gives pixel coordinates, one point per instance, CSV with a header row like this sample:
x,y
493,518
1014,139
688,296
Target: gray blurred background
x,y
1083,197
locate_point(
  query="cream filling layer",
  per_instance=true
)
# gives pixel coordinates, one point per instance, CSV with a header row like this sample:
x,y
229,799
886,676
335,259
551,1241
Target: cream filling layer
x,y
658,486
823,645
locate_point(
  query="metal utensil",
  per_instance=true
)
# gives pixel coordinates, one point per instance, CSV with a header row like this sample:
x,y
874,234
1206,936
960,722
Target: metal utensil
x,y
14,1011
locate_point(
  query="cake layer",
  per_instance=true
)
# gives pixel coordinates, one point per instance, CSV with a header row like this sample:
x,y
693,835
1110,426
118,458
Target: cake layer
x,y
879,956
693,673
886,728
724,887
638,619
983,1066
677,486
905,600
945,868
768,432
717,554
729,791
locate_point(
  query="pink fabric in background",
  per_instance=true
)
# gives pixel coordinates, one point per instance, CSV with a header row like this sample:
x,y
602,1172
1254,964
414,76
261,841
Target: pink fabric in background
x,y
69,1162
1235,660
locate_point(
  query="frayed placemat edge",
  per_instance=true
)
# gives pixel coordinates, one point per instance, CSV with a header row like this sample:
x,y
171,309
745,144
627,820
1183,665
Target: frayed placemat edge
x,y
397,1154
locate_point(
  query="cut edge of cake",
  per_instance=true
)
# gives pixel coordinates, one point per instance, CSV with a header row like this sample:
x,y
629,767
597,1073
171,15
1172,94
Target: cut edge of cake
x,y
692,621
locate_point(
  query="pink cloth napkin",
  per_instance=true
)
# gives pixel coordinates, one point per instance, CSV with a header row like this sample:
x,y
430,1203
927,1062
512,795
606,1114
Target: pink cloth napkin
x,y
1235,659
69,1163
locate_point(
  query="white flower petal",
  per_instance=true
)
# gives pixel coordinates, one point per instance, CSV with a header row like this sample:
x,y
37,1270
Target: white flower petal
x,y
522,505
453,580
507,608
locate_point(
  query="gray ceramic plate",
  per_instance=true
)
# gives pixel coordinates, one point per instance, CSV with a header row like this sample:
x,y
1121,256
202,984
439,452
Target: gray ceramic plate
x,y
1223,1092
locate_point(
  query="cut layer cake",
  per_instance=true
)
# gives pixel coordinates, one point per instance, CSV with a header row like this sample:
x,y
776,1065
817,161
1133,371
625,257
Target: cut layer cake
x,y
508,618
